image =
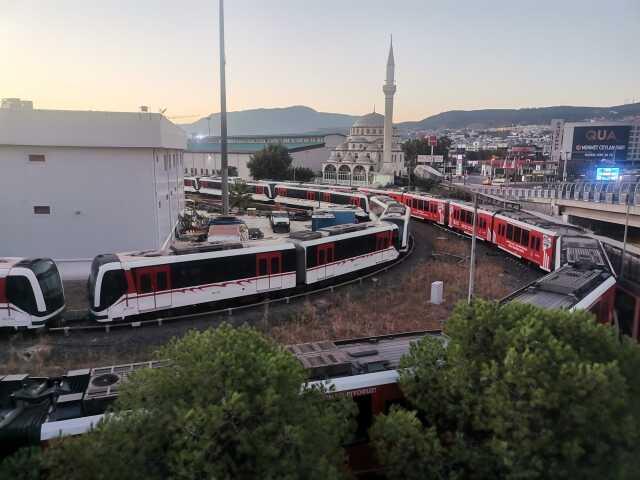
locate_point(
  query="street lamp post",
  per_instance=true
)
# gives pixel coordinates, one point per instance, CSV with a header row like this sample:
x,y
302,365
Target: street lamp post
x,y
564,170
624,240
472,265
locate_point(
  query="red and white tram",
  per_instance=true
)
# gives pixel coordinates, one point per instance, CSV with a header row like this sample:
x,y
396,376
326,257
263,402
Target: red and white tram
x,y
427,207
31,292
343,249
308,196
129,284
461,219
191,184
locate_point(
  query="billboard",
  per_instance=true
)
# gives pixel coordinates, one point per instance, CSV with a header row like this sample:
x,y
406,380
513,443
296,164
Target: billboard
x,y
430,159
599,143
608,174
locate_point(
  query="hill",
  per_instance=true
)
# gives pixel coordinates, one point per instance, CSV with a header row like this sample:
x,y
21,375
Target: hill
x,y
272,121
488,118
305,120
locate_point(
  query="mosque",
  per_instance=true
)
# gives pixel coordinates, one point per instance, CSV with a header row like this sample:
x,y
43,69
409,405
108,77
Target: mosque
x,y
372,152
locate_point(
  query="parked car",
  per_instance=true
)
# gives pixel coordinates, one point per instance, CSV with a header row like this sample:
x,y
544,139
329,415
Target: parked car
x,y
280,221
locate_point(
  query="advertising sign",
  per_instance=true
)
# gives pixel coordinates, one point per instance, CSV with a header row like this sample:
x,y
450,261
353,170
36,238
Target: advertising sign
x,y
600,143
433,141
430,159
607,174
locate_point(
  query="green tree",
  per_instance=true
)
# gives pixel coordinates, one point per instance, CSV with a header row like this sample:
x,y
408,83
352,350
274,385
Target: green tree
x,y
272,162
240,196
420,146
232,171
229,406
301,174
24,464
518,392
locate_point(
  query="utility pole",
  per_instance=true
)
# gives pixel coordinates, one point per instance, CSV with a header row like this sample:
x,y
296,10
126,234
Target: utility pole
x,y
472,264
624,241
224,164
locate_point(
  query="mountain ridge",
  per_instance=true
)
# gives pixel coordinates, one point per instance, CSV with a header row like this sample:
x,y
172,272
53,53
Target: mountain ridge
x,y
300,119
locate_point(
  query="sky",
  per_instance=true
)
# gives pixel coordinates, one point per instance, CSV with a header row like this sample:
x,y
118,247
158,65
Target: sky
x,y
329,55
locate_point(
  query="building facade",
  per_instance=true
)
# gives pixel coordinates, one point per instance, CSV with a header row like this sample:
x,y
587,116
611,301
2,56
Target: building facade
x,y
76,184
372,153
203,157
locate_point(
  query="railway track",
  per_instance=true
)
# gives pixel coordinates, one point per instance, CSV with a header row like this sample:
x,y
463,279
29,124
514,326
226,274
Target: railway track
x,y
87,326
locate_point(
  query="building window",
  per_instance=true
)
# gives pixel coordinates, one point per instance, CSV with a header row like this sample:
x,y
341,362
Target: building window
x,y
42,210
36,158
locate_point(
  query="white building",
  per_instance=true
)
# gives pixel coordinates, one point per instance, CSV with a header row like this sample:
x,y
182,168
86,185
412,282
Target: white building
x,y
372,153
203,155
76,184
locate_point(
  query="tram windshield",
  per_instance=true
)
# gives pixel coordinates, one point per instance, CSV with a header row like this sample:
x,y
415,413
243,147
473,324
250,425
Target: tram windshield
x,y
50,283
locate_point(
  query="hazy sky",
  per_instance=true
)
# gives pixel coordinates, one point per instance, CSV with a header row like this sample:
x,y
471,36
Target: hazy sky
x,y
327,54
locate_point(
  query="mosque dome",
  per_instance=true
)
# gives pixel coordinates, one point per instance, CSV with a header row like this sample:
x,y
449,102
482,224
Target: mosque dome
x,y
370,120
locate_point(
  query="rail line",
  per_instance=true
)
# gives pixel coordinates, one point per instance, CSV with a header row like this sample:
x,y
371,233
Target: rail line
x,y
160,321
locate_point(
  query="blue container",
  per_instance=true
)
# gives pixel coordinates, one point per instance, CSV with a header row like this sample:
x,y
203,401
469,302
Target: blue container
x,y
343,216
322,220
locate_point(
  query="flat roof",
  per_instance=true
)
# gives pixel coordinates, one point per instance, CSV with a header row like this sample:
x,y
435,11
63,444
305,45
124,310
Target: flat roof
x,y
564,288
215,147
73,128
342,358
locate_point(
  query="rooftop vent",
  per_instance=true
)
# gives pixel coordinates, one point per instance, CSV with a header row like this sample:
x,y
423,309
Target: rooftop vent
x,y
203,247
571,281
585,255
105,383
305,235
322,359
346,228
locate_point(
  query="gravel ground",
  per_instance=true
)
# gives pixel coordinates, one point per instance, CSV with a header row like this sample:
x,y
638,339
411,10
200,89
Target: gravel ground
x,y
45,353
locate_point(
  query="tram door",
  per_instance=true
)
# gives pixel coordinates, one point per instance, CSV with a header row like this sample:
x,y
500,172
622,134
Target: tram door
x,y
154,287
324,259
383,241
268,270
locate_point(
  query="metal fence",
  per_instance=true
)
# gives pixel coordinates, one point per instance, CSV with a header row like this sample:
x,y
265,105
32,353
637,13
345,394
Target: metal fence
x,y
598,192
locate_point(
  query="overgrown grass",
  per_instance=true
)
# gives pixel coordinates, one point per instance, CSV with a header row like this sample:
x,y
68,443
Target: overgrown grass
x,y
391,308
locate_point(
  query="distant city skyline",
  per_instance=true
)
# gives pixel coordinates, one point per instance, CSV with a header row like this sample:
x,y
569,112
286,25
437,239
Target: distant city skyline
x,y
330,55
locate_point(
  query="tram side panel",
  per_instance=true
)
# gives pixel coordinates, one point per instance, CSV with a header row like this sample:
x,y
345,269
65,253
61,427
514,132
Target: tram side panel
x,y
461,220
133,287
525,241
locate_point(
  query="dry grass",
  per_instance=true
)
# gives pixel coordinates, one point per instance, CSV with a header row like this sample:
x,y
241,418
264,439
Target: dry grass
x,y
43,357
391,308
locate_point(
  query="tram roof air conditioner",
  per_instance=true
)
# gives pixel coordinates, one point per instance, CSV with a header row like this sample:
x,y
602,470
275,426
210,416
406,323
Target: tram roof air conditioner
x,y
105,383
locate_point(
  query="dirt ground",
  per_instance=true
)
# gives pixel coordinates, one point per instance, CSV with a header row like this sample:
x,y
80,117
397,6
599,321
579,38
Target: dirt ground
x,y
394,301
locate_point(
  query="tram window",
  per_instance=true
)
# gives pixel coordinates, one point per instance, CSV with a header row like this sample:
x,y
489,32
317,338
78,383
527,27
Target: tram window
x,y
145,283
364,419
516,234
161,280
535,244
510,232
525,238
275,265
20,293
262,267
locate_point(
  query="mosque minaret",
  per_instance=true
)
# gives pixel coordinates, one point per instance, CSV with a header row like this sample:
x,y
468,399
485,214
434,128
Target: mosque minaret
x,y
389,89
372,152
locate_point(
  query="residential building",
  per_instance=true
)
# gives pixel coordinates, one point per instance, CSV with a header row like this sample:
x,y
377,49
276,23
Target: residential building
x,y
79,183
